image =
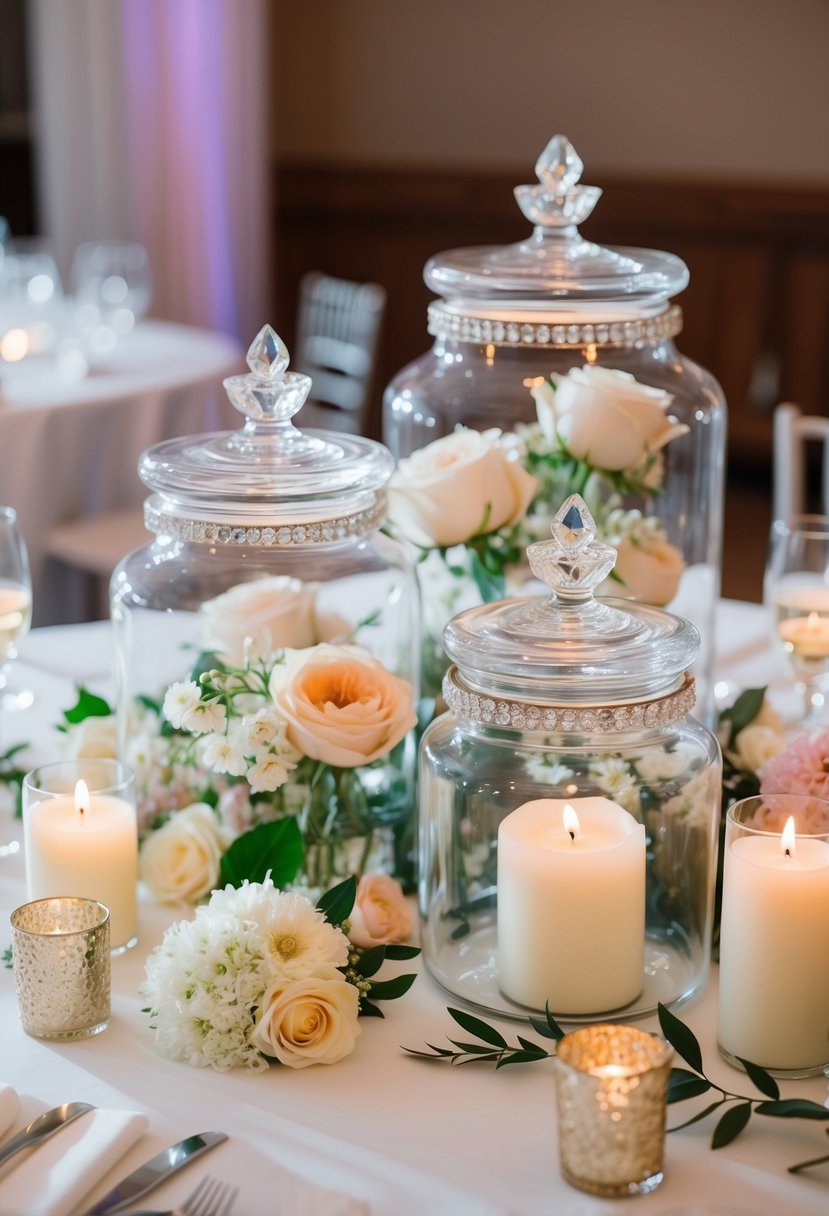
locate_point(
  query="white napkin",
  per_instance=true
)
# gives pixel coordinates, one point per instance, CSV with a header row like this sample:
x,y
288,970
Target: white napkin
x,y
56,1175
9,1107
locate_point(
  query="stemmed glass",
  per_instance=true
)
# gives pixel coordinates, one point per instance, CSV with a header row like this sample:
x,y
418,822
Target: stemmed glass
x,y
15,605
796,591
112,289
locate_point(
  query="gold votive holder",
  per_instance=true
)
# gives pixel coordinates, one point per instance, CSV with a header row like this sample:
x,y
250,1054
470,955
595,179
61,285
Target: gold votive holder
x,y
61,961
611,1087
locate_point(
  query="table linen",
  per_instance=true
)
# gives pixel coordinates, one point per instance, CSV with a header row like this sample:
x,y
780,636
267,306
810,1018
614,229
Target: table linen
x,y
400,1134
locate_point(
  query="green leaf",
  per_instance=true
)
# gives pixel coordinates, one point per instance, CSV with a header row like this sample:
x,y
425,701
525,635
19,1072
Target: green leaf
x,y
12,751
761,1079
475,1049
88,705
459,931
680,1037
701,1114
731,1124
684,1085
528,1045
794,1108
549,1027
338,902
402,952
367,1010
744,710
6,957
521,1057
390,990
490,586
274,846
371,961
481,1030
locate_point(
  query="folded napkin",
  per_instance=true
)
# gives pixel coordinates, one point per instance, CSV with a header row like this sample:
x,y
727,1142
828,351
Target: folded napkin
x,y
9,1107
57,1174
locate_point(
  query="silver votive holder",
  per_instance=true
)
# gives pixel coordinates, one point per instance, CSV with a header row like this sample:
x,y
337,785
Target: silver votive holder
x,y
61,961
611,1087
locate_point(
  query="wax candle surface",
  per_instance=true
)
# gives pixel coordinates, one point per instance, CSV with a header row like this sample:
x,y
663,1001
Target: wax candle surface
x,y
571,907
91,853
807,636
774,952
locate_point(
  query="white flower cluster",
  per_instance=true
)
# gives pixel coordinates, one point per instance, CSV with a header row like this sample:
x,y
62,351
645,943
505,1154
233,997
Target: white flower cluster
x,y
254,746
253,977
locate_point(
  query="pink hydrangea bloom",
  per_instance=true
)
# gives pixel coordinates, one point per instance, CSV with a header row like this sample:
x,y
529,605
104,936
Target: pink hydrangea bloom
x,y
801,768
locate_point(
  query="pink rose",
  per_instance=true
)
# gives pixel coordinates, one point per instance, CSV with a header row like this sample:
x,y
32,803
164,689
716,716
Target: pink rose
x,y
381,913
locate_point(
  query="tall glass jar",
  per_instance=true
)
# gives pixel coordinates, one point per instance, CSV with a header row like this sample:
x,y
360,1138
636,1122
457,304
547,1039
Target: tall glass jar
x,y
511,317
569,803
268,538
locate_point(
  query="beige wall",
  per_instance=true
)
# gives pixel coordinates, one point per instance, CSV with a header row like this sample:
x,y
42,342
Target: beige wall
x,y
736,88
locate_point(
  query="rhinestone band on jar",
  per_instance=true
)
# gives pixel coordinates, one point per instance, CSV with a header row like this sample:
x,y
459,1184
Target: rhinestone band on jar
x,y
443,323
274,536
567,719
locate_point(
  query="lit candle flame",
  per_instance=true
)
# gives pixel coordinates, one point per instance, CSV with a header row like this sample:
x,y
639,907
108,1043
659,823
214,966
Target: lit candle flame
x,y
571,821
82,797
787,840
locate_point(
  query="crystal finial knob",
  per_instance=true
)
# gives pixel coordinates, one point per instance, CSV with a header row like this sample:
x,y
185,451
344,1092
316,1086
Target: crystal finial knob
x,y
558,201
574,562
269,393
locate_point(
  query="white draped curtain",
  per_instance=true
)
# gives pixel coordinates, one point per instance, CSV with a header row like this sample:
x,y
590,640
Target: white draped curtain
x,y
151,124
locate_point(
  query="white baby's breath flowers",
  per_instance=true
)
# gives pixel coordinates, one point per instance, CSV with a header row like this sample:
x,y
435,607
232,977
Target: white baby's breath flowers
x,y
179,700
615,778
267,774
225,754
548,769
205,717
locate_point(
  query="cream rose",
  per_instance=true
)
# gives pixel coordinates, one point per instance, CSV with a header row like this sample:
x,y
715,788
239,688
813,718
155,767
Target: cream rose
x,y
381,912
606,417
93,739
266,614
180,862
649,567
341,706
308,1021
459,486
755,745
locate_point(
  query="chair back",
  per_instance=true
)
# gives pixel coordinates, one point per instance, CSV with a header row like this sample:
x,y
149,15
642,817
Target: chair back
x,y
338,330
793,430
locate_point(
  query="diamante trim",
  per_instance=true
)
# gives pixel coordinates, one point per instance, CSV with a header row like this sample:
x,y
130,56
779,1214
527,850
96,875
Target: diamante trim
x,y
276,536
567,719
442,323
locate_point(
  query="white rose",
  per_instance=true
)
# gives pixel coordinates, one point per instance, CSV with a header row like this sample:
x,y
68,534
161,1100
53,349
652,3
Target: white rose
x,y
649,567
308,1021
252,619
459,486
755,745
606,417
180,861
93,739
663,765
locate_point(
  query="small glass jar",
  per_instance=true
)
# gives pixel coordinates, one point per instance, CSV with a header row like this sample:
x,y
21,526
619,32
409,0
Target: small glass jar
x,y
568,701
265,538
511,316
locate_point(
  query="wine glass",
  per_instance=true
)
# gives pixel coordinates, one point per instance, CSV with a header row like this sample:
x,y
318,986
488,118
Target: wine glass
x,y
112,289
15,605
796,591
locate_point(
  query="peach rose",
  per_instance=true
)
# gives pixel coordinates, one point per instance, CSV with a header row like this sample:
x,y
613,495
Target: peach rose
x,y
381,912
341,705
459,486
650,569
180,861
252,619
308,1021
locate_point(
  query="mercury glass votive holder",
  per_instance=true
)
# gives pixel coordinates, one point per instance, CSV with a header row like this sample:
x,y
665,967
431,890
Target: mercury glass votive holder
x,y
61,961
611,1087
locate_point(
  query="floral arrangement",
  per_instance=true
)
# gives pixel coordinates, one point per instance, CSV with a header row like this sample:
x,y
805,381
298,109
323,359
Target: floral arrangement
x,y
310,736
262,975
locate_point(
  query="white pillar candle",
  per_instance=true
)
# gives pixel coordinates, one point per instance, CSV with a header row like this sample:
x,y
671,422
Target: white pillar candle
x,y
571,906
774,950
806,636
85,845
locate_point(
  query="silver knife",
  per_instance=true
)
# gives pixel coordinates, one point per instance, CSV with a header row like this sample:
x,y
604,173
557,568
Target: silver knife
x,y
43,1127
149,1175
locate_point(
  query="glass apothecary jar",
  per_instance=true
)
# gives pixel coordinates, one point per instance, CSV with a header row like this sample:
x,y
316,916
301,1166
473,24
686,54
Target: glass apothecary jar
x,y
267,543
555,305
569,803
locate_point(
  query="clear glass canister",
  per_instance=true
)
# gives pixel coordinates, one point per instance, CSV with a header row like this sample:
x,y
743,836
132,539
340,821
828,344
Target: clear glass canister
x,y
269,538
568,802
511,318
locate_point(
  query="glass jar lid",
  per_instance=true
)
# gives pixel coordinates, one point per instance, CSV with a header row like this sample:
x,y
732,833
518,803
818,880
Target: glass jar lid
x,y
570,650
268,473
555,266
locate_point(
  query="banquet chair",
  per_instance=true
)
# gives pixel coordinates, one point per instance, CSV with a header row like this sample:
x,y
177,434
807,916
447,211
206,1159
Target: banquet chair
x,y
90,548
793,431
338,331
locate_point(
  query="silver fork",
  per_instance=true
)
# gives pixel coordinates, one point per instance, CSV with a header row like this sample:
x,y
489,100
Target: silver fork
x,y
210,1198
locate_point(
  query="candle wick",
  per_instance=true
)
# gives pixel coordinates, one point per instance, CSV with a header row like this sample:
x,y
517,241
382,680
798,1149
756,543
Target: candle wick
x,y
788,852
572,834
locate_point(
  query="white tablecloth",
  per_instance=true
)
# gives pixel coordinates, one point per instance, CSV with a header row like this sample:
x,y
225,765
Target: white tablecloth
x,y
409,1136
69,449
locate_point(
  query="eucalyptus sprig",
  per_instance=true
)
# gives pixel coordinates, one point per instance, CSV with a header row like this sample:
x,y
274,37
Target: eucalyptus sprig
x,y
493,1046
